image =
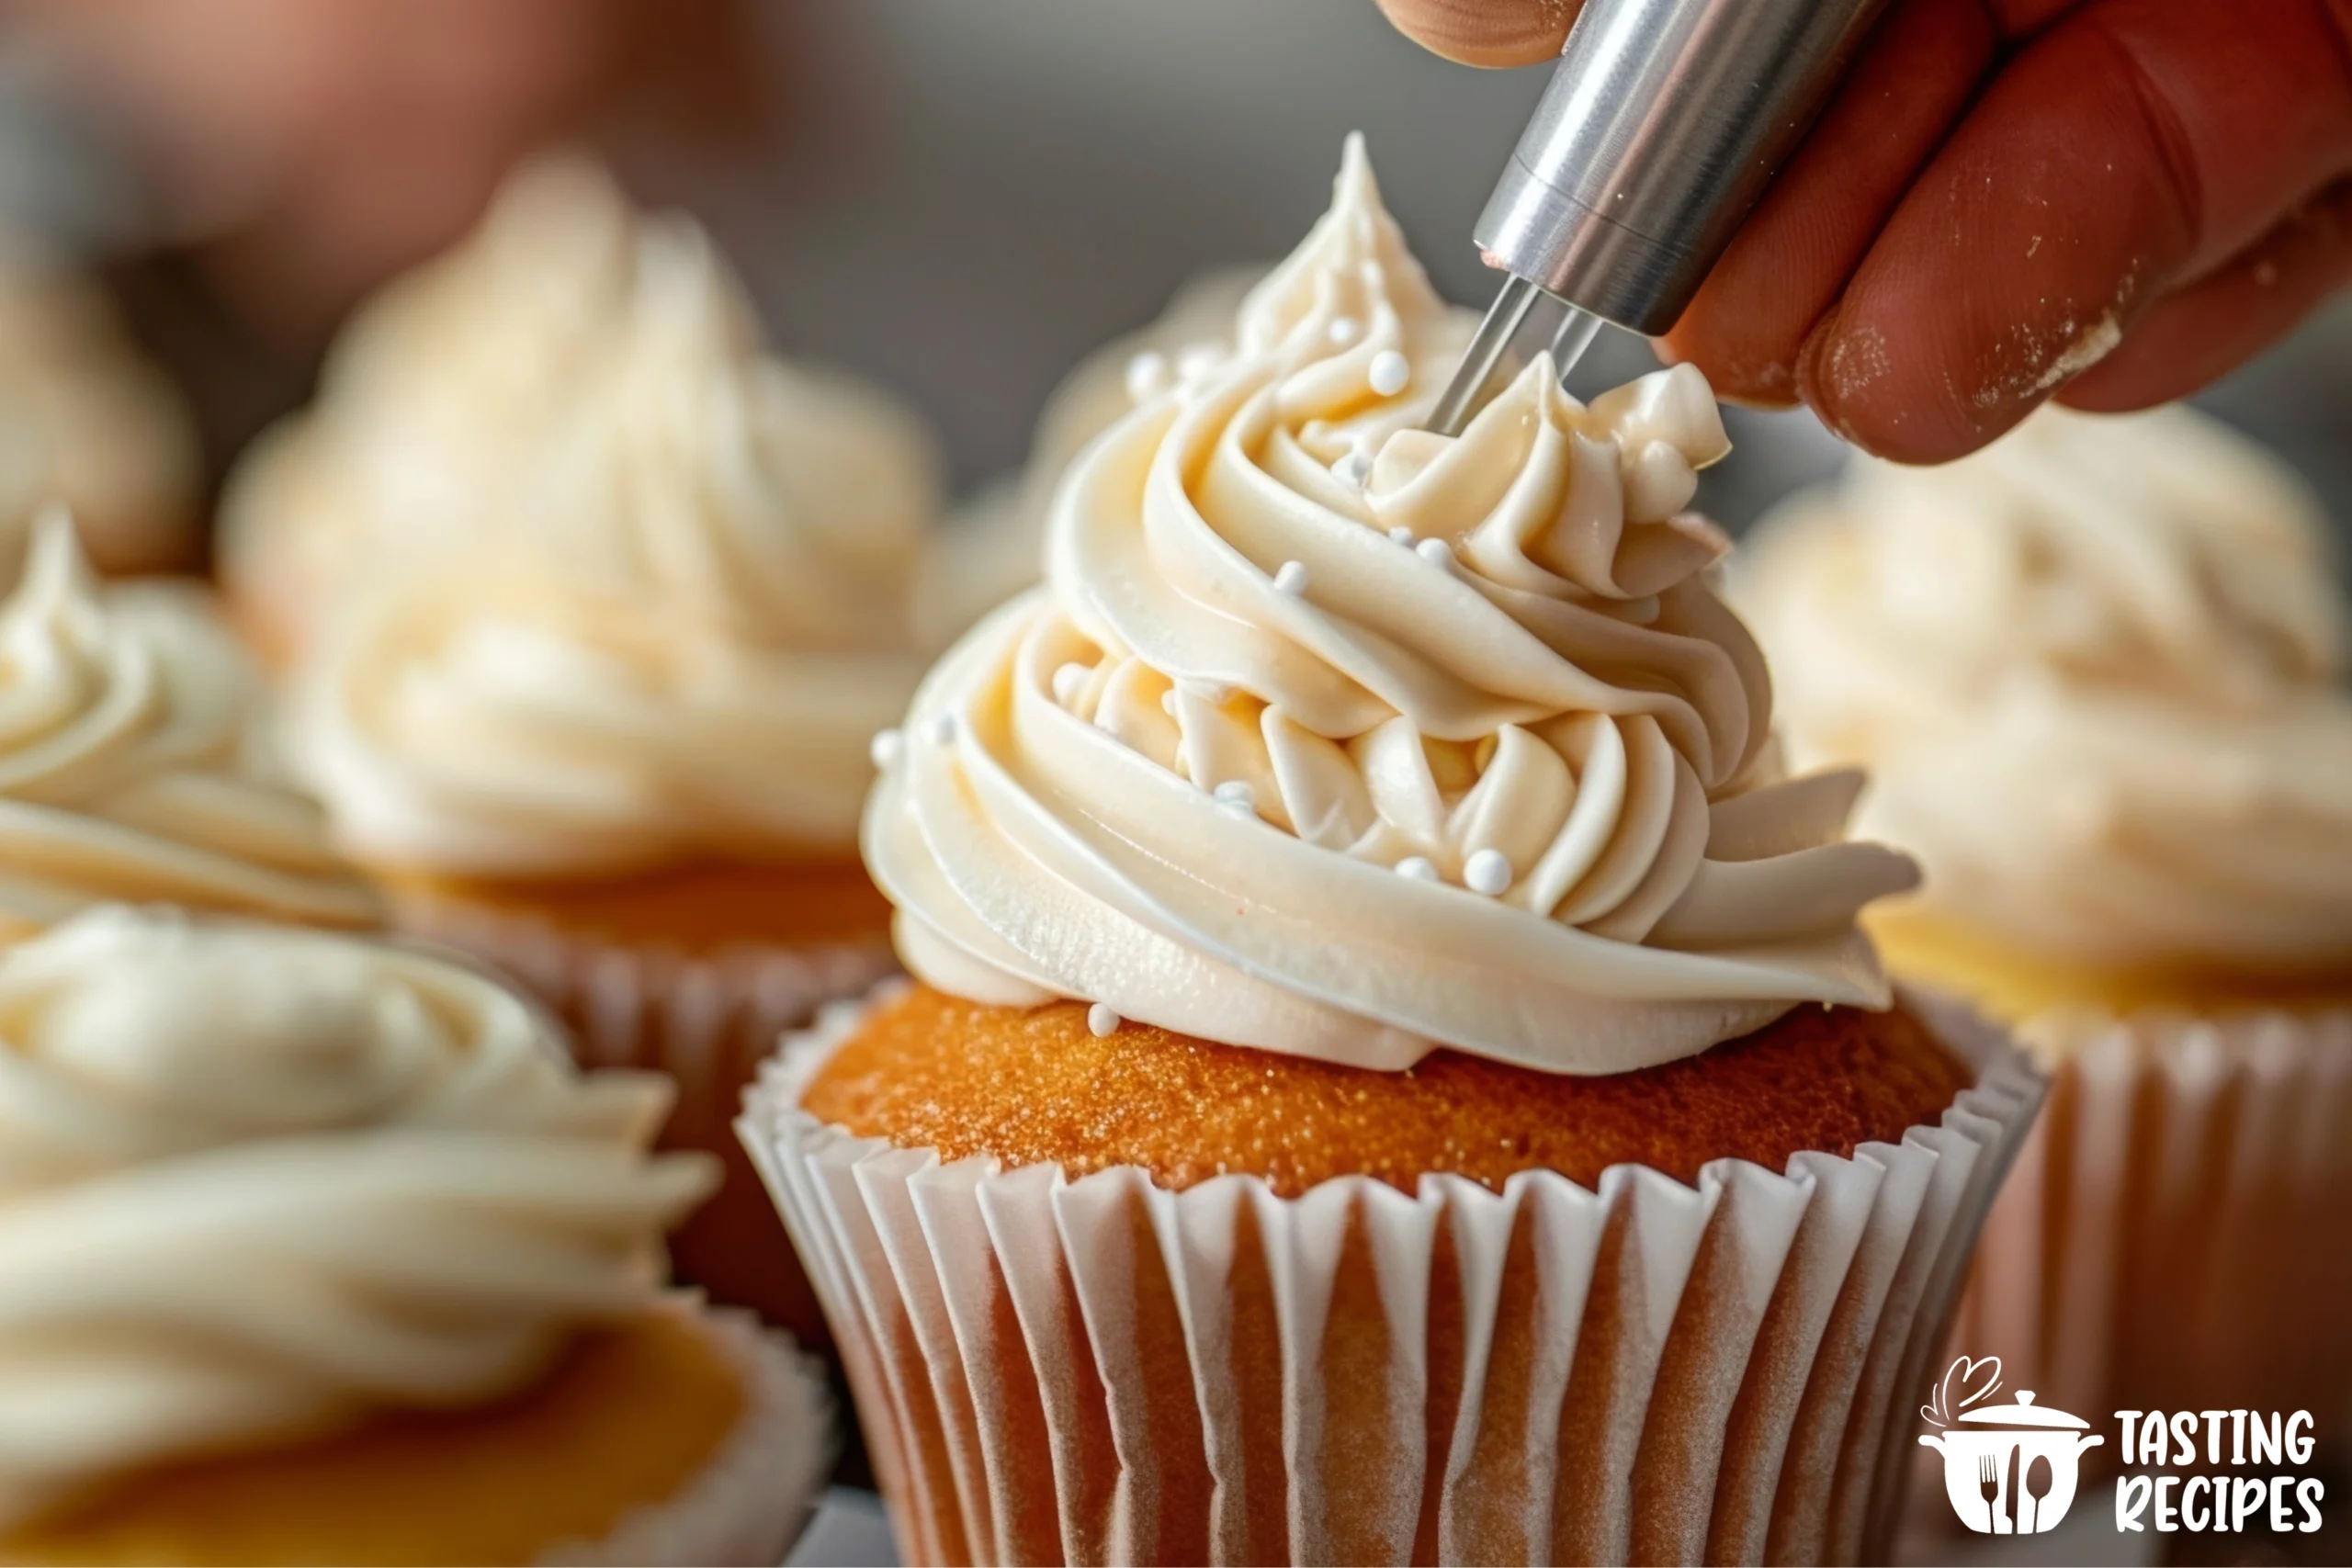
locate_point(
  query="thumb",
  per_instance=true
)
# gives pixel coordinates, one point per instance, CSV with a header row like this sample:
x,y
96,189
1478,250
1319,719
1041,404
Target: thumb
x,y
1484,32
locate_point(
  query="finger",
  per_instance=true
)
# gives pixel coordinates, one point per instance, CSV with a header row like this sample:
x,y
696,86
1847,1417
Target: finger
x,y
2134,144
1790,260
1484,32
2197,335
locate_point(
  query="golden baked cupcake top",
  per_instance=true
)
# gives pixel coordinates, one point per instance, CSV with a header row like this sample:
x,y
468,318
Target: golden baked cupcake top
x,y
257,1184
679,638
131,766
1333,736
2096,674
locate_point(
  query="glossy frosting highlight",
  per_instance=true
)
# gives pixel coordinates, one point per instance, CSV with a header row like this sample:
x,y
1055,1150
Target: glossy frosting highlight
x,y
2097,672
131,761
1330,737
257,1183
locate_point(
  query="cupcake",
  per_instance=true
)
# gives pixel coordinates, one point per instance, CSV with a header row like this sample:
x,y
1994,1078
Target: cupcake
x,y
617,745
2097,672
132,766
89,421
989,549
1391,1072
316,1251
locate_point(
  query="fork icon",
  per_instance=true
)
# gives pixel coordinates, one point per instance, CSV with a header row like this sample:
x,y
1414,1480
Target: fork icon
x,y
1988,1483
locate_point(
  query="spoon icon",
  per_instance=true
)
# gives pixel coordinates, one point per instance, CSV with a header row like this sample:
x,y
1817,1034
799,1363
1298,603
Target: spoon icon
x,y
2038,1482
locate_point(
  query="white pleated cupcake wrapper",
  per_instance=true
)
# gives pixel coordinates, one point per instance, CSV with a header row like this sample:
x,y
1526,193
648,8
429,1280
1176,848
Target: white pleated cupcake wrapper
x,y
750,1503
1103,1370
2177,1234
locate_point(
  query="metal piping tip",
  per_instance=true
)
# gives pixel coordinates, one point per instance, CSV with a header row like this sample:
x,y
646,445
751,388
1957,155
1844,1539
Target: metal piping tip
x,y
1487,349
1518,297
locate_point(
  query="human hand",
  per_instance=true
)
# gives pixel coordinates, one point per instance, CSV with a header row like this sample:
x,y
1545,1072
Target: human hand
x,y
2109,201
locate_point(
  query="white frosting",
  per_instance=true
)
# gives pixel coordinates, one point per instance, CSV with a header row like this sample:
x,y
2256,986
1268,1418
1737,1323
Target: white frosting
x,y
680,640
436,403
1238,769
2097,672
592,379
255,1183
130,766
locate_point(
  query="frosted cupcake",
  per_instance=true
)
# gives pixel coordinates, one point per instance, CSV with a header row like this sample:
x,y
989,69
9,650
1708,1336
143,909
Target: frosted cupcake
x,y
131,763
1367,1093
2097,673
617,744
313,1250
86,420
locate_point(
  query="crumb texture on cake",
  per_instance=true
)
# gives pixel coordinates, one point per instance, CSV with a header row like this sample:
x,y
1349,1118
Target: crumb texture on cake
x,y
1037,1086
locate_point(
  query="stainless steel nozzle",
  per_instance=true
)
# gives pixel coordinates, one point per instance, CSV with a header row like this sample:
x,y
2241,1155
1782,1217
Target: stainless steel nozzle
x,y
1664,121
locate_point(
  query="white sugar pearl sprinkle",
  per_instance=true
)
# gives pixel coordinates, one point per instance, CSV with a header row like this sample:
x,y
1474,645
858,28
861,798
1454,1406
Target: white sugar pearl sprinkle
x,y
1291,579
1391,371
1100,1020
1345,330
1237,793
885,746
1487,872
1067,679
1198,361
1437,552
1352,471
1419,867
941,727
1400,535
1146,376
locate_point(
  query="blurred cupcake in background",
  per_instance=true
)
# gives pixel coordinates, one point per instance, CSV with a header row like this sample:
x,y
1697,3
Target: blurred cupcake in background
x,y
314,1251
1391,1073
85,420
133,762
617,742
2096,674
434,407
990,547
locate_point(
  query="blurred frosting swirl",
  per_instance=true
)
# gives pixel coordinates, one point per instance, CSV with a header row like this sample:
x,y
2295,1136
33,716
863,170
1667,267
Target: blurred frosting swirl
x,y
257,1183
130,761
2097,672
680,641
435,402
1332,736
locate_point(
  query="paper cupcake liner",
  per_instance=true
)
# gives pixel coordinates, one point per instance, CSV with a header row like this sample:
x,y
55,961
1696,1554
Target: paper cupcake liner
x,y
2177,1234
750,1503
708,1021
1104,1371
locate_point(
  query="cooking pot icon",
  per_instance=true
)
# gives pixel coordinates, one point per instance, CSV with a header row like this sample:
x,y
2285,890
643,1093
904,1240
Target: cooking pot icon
x,y
2012,1471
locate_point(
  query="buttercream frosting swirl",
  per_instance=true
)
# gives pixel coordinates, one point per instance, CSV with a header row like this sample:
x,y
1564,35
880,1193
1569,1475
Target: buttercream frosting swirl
x,y
680,642
2097,672
131,766
1333,736
257,1182
436,403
